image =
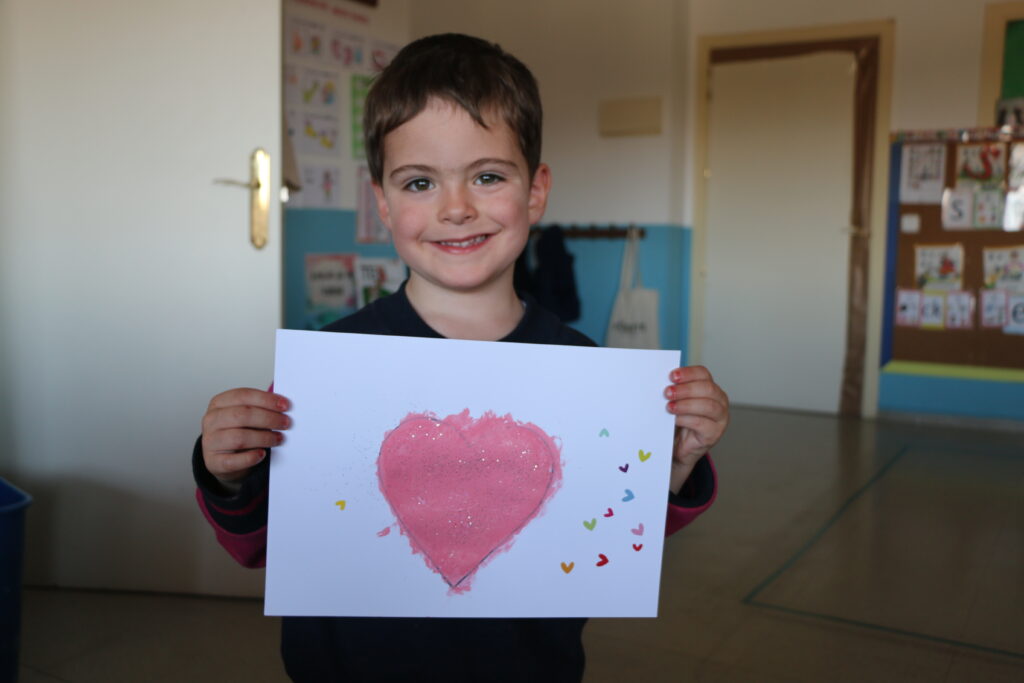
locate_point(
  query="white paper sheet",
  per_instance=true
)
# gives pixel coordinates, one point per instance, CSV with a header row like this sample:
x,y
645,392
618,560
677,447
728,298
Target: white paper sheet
x,y
594,547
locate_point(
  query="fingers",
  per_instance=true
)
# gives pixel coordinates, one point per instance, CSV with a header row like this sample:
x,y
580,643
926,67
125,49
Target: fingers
x,y
241,416
238,427
701,409
250,397
689,374
232,466
696,392
226,441
246,408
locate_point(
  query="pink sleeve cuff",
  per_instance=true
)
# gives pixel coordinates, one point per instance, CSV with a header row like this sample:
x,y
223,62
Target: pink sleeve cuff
x,y
679,516
249,550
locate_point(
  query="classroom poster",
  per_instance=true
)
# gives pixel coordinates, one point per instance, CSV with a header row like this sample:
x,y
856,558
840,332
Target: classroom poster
x,y
328,46
922,173
933,310
957,209
330,288
988,209
939,266
1015,312
360,88
980,165
304,37
319,87
908,307
959,310
994,308
292,85
381,54
1013,212
1004,268
347,49
370,229
447,498
314,134
320,187
377,277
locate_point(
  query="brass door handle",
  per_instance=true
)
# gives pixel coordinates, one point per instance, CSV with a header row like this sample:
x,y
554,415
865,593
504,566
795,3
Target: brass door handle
x,y
259,195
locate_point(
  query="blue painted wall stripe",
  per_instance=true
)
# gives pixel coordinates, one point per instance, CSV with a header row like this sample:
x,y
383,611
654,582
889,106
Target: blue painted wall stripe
x,y
892,245
665,255
948,396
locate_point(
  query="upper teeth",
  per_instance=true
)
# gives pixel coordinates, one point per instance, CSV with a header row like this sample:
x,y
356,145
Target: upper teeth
x,y
466,243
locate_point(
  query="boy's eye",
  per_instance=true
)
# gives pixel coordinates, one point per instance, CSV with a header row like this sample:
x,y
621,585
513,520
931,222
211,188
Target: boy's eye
x,y
488,178
419,185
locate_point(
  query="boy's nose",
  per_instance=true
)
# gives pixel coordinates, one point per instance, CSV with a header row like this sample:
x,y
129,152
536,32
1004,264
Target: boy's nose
x,y
456,206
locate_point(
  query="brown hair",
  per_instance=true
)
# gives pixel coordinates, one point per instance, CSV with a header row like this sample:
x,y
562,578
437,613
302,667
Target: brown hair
x,y
468,72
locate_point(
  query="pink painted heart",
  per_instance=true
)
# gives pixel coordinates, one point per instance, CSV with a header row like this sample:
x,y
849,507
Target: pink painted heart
x,y
462,488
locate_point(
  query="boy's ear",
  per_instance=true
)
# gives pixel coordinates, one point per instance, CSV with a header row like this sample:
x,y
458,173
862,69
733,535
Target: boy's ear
x,y
382,205
540,186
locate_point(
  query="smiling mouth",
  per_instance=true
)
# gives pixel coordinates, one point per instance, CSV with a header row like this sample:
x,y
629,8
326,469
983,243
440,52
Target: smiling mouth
x,y
466,243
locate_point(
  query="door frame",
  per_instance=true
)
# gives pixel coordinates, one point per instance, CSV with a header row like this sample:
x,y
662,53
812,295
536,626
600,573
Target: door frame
x,y
863,361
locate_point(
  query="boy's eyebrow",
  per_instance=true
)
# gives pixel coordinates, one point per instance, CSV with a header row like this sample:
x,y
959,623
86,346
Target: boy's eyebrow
x,y
492,161
424,168
415,168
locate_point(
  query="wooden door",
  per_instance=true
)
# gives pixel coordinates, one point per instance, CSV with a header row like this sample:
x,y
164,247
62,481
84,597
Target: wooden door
x,y
780,156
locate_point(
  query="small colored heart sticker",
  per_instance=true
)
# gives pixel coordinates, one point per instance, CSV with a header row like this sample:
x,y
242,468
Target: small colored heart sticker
x,y
644,455
568,567
591,524
603,432
603,561
340,504
609,513
637,547
639,531
628,497
624,468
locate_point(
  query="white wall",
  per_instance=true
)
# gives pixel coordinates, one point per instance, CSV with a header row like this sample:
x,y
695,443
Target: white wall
x,y
129,294
582,52
937,52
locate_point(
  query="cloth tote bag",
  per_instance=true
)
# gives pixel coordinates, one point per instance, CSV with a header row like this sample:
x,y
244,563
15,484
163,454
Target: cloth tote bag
x,y
634,321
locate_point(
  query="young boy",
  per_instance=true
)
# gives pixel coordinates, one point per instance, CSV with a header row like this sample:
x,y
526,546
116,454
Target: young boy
x,y
453,137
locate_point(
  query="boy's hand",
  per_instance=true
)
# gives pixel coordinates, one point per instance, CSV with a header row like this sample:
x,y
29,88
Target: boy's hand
x,y
702,414
238,428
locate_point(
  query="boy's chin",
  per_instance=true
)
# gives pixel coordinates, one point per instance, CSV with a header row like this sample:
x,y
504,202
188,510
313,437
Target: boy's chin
x,y
465,284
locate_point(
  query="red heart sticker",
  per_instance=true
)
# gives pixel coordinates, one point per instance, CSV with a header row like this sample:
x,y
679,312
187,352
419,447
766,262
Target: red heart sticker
x,y
462,488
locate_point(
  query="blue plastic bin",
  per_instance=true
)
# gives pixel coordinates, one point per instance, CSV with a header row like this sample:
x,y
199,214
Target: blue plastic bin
x,y
12,536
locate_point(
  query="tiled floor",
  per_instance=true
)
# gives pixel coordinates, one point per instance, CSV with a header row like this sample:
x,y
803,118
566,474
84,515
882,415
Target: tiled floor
x,y
837,551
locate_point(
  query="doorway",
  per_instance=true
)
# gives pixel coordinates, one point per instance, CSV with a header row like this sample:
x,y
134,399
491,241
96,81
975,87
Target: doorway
x,y
780,157
870,45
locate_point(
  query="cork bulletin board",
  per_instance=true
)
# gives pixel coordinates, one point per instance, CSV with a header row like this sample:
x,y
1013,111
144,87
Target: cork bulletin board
x,y
955,286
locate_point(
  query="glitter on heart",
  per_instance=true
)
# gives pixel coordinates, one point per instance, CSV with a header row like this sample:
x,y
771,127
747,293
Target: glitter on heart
x,y
462,488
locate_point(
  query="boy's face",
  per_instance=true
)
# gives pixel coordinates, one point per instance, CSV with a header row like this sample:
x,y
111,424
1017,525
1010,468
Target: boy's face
x,y
458,199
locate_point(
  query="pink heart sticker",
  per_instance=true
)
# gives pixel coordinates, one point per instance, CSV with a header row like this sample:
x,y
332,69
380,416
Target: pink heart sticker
x,y
462,488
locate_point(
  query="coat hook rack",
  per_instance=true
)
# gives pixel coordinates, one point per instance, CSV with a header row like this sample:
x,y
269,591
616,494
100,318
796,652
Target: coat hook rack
x,y
590,232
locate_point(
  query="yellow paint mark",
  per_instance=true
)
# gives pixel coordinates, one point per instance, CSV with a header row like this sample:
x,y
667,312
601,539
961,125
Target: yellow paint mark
x,y
340,504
